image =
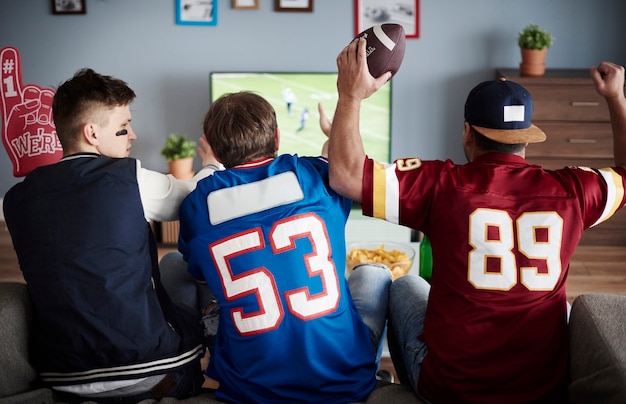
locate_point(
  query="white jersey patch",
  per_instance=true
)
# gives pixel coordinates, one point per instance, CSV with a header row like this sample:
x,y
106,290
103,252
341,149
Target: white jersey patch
x,y
242,200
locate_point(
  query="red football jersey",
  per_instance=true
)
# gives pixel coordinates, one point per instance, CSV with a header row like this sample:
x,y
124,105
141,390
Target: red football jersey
x,y
502,233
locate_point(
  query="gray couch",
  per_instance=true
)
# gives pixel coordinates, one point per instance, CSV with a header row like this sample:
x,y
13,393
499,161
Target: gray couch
x,y
18,379
597,343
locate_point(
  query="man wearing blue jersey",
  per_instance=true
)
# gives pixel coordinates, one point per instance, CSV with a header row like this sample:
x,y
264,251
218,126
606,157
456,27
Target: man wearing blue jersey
x,y
267,235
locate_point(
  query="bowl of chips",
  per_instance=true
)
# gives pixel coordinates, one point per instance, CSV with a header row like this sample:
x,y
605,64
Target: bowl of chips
x,y
398,257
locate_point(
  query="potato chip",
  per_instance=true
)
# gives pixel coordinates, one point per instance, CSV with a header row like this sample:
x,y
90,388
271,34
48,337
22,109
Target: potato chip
x,y
399,262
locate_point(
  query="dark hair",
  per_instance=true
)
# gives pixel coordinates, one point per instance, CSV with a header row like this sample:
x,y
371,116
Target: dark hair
x,y
241,127
82,98
487,144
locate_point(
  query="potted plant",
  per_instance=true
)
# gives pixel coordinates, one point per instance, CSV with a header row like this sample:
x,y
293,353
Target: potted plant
x,y
534,43
179,153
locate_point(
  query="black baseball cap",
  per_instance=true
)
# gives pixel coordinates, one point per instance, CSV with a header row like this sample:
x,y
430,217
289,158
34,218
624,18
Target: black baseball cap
x,y
501,110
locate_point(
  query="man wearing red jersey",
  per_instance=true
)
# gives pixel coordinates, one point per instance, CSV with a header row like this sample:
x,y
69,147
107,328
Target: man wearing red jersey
x,y
493,325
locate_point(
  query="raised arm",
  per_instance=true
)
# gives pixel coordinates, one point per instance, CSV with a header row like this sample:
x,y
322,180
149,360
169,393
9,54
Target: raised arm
x,y
345,148
609,81
325,125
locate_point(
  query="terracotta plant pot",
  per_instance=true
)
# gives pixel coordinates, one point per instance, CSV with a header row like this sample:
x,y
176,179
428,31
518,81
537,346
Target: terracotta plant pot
x,y
182,168
533,62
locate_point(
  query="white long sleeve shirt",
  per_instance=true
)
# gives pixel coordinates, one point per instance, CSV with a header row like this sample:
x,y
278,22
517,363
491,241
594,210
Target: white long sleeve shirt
x,y
162,194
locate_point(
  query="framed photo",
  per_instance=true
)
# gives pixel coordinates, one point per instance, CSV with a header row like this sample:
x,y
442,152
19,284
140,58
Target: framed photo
x,y
196,12
374,12
305,6
246,4
69,7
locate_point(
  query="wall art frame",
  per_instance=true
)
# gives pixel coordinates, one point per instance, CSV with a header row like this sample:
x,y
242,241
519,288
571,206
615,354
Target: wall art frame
x,y
304,6
196,12
246,4
69,7
373,12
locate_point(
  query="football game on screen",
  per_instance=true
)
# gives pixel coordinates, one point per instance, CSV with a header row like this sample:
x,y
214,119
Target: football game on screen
x,y
295,96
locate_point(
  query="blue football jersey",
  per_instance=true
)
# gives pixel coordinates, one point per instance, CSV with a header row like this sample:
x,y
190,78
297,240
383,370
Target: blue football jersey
x,y
269,239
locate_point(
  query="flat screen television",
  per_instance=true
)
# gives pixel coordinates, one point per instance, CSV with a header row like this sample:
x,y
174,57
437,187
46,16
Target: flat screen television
x,y
299,122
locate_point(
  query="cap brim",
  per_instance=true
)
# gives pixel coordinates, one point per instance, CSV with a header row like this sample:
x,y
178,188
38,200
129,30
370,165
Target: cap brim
x,y
513,136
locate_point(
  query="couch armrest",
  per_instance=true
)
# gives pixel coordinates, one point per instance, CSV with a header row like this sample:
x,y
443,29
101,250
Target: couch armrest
x,y
598,348
16,373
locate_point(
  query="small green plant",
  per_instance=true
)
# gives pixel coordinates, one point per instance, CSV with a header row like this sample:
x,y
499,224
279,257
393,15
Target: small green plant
x,y
533,37
178,147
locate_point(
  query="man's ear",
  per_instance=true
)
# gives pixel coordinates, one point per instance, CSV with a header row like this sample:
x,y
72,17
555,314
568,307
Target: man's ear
x,y
277,138
468,135
89,134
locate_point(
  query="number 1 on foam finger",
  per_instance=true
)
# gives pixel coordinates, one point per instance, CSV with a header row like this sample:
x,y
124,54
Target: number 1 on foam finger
x,y
10,87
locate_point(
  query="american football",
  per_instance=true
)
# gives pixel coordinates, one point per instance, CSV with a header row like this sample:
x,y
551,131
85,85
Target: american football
x,y
385,48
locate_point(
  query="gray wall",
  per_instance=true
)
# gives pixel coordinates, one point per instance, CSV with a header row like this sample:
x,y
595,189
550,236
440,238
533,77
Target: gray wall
x,y
461,43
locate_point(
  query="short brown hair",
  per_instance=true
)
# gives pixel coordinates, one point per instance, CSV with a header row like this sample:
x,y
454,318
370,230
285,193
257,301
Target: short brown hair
x,y
83,98
241,127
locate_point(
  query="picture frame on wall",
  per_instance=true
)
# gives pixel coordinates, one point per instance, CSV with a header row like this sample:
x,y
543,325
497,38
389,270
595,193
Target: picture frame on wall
x,y
69,7
246,4
305,6
368,13
196,12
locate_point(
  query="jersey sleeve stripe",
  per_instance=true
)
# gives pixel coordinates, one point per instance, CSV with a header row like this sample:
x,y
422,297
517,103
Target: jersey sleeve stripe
x,y
615,194
386,190
379,190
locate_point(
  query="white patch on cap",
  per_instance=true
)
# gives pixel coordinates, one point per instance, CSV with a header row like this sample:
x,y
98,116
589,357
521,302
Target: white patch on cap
x,y
383,38
513,113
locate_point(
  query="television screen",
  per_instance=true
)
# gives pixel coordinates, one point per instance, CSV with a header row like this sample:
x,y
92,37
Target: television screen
x,y
295,96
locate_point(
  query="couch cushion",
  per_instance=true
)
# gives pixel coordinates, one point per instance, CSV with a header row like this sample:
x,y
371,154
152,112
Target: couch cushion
x,y
205,397
39,396
389,393
385,393
598,348
16,373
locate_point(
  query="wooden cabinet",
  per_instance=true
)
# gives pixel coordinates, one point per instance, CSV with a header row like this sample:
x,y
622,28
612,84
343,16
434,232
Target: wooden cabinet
x,y
576,122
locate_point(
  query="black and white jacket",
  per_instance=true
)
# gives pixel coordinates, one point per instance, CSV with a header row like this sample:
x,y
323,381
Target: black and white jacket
x,y
90,263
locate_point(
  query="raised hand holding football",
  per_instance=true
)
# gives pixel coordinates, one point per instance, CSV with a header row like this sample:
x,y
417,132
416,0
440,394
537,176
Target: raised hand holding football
x,y
385,48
